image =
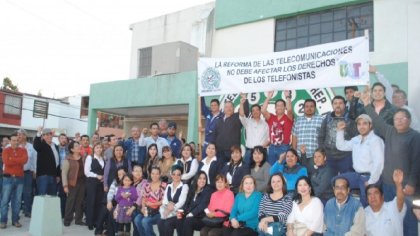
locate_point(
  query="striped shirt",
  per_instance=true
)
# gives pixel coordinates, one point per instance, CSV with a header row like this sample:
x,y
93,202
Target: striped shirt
x,y
307,130
279,209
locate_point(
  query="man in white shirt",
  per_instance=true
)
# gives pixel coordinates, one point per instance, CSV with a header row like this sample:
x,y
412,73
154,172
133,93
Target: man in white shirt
x,y
385,218
154,138
256,129
367,154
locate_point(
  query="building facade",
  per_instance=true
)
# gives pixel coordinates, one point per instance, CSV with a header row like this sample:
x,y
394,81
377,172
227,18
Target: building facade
x,y
232,28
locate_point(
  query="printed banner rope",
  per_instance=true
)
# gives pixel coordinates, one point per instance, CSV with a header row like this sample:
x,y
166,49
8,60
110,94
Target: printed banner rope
x,y
337,64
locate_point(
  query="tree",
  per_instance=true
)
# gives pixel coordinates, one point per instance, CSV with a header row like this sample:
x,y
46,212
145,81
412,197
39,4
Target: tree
x,y
8,85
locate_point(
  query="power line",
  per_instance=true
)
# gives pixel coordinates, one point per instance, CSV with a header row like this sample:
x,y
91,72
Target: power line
x,y
26,109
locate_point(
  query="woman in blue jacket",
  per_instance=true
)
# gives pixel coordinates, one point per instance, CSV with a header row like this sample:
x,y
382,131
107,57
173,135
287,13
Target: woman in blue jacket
x,y
244,214
291,169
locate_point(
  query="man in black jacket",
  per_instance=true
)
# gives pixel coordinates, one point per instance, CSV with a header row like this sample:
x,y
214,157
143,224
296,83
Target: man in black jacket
x,y
48,162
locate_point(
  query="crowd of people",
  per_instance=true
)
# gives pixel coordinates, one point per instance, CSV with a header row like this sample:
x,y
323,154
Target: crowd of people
x,y
353,172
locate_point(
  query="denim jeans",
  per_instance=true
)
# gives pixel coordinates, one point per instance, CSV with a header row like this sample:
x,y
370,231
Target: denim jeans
x,y
145,224
340,166
274,152
46,185
279,229
28,192
410,220
357,181
247,157
12,192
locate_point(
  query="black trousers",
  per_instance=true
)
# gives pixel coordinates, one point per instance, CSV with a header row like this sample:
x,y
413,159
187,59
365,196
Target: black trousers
x,y
94,196
167,226
239,232
187,225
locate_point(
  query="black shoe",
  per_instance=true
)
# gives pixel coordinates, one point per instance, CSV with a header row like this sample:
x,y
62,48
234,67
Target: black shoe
x,y
80,223
90,227
28,215
66,224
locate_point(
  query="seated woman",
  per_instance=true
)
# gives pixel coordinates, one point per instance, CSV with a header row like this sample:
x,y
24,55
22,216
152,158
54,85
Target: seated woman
x,y
291,169
209,164
188,162
307,216
275,207
244,214
236,169
220,201
322,176
173,200
151,199
260,168
193,211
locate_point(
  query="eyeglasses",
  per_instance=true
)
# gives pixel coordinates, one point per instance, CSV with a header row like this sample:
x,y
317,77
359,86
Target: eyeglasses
x,y
400,118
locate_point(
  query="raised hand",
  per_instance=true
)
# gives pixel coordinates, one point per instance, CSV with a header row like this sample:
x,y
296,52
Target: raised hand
x,y
341,125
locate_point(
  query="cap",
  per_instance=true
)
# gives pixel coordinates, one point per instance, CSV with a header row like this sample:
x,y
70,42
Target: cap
x,y
47,131
172,125
22,131
364,117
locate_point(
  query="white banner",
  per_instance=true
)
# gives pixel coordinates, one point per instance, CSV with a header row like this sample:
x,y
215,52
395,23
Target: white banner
x,y
337,64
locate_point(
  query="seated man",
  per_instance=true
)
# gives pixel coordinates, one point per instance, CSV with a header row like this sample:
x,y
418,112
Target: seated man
x,y
343,214
385,218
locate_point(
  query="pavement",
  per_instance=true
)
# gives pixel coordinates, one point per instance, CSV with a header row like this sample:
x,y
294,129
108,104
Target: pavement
x,y
24,230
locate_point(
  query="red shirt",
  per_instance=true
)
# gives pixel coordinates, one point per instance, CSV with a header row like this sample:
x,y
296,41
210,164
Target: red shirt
x,y
280,130
14,160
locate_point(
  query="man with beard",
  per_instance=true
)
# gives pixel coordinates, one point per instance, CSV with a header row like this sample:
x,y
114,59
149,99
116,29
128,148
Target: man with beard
x,y
305,133
367,155
338,161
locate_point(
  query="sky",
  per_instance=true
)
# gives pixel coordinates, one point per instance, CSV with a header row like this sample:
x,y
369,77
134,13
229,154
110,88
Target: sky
x,y
60,47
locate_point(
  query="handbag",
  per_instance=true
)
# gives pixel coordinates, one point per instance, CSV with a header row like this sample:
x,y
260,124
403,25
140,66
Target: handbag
x,y
215,222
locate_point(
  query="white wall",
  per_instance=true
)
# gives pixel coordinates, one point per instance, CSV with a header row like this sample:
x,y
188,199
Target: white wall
x,y
187,25
70,126
413,46
244,40
397,34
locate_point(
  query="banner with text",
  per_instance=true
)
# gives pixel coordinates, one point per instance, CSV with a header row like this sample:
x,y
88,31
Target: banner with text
x,y
337,64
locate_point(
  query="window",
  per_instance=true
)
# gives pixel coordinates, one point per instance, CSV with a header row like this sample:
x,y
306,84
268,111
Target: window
x,y
145,62
324,27
12,105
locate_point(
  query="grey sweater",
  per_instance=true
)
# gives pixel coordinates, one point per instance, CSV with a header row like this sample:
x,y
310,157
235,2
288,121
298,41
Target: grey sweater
x,y
402,150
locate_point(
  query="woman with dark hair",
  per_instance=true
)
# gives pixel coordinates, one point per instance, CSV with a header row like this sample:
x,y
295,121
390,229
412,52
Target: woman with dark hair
x,y
165,164
321,177
173,200
111,166
236,169
152,159
221,201
275,207
307,216
291,169
209,164
94,171
73,184
260,168
193,211
244,214
151,198
188,162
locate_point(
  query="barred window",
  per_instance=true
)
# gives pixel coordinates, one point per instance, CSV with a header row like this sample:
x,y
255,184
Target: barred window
x,y
12,105
145,62
324,27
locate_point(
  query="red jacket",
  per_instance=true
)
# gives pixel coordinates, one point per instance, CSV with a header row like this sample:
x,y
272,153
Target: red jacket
x,y
13,160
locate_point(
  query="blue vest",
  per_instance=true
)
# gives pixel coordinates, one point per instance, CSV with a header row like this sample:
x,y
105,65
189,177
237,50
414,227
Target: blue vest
x,y
339,221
